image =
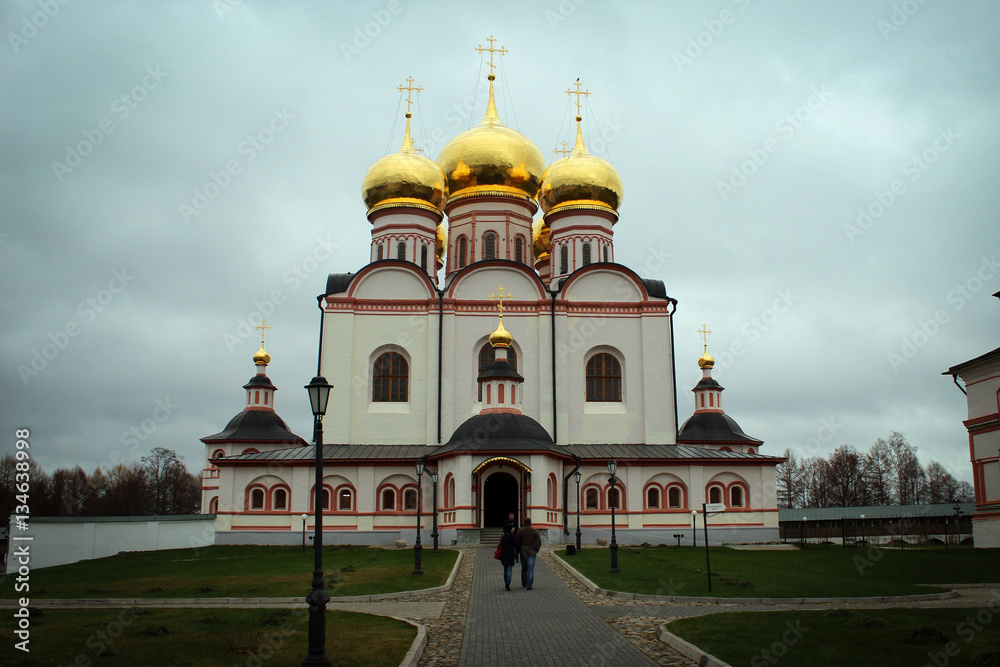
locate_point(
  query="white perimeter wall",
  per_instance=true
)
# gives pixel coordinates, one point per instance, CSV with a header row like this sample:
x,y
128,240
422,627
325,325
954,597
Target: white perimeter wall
x,y
57,542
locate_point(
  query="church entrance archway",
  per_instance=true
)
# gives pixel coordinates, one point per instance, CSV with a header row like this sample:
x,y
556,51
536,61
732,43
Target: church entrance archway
x,y
500,497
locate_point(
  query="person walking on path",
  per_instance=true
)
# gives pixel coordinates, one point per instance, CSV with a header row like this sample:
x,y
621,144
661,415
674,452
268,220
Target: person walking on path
x,y
508,554
529,542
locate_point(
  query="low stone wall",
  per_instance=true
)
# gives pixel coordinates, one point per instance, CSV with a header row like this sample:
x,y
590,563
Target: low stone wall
x,y
61,540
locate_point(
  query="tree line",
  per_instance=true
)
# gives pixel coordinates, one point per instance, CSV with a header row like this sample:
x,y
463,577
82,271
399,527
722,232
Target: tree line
x,y
158,484
889,473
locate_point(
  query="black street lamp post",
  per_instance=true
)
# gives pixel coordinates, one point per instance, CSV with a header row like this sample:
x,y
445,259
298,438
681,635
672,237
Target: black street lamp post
x,y
304,517
434,529
418,548
612,469
579,535
694,526
802,534
862,529
319,395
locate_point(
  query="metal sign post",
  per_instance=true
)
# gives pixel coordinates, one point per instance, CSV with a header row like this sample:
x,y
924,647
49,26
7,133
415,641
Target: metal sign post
x,y
708,509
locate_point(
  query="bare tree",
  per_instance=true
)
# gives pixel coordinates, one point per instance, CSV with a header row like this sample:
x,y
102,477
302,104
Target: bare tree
x,y
846,477
816,482
878,474
942,487
127,490
965,493
789,479
170,488
907,473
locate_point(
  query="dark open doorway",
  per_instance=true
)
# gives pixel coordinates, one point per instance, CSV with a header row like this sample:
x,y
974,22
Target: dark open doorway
x,y
499,499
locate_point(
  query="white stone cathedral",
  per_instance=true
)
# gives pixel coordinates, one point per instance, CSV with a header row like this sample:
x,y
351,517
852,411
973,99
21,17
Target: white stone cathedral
x,y
537,357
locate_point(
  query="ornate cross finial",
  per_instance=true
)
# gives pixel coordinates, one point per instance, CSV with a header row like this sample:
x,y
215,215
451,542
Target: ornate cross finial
x,y
419,150
409,88
262,328
563,151
502,51
705,332
578,93
500,299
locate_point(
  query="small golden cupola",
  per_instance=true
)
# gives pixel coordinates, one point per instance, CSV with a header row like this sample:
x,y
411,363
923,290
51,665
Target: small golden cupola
x,y
499,381
580,180
491,158
405,179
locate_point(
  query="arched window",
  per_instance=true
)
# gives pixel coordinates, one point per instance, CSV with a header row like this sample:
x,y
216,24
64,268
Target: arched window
x,y
257,499
256,397
604,379
390,376
500,393
487,354
423,257
751,451
653,498
378,252
401,250
736,496
279,501
591,501
550,493
388,500
345,500
613,495
326,500
213,505
450,502
218,454
490,246
674,497
586,254
463,247
606,254
564,259
715,495
250,450
519,250
410,500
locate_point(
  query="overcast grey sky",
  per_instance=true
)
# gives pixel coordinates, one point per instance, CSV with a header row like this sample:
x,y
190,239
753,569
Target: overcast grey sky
x,y
812,180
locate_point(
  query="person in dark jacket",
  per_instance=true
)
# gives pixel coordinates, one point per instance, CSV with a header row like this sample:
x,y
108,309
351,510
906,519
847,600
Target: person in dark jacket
x,y
529,542
508,554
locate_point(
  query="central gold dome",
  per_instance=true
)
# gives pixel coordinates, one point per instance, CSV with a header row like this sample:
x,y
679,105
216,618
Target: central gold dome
x,y
580,180
491,158
405,178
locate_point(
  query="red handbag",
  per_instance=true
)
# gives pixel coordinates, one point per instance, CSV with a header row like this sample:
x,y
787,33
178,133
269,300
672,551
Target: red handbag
x,y
496,554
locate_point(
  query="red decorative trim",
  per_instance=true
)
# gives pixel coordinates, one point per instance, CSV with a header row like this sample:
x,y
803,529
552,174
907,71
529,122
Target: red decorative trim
x,y
980,420
261,528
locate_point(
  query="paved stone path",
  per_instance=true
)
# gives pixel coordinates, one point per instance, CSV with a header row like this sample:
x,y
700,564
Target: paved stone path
x,y
547,625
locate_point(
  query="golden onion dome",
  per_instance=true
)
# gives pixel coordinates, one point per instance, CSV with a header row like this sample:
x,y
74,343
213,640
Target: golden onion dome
x,y
491,158
580,180
706,361
261,357
541,242
406,178
501,337
441,242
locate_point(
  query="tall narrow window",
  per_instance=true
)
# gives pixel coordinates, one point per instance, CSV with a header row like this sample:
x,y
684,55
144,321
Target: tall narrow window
x,y
613,498
280,500
378,253
586,254
390,376
463,246
401,250
653,498
736,497
490,246
500,393
604,379
674,497
410,499
607,255
564,259
715,495
345,502
423,257
388,500
257,499
591,499
326,499
486,356
519,250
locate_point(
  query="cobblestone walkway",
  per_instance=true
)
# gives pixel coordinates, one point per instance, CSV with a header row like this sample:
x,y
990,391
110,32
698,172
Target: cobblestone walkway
x,y
548,625
444,634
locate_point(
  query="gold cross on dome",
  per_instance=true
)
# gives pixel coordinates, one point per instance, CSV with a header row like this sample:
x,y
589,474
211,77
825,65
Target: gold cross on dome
x,y
262,328
579,93
419,150
562,151
705,332
502,51
409,88
500,299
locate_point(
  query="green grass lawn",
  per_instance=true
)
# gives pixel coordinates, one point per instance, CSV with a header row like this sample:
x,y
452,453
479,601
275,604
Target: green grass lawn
x,y
884,637
783,574
238,571
204,637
